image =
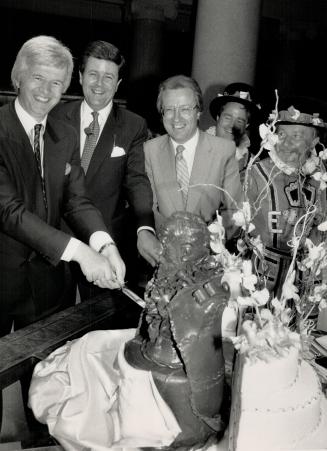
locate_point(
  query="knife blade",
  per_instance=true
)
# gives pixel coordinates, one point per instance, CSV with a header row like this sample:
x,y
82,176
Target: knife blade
x,y
133,296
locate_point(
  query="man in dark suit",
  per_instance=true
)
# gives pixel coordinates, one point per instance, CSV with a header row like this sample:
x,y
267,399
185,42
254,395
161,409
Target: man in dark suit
x,y
41,181
115,174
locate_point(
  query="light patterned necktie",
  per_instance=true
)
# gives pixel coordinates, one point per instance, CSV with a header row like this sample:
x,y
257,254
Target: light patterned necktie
x,y
182,174
37,154
92,134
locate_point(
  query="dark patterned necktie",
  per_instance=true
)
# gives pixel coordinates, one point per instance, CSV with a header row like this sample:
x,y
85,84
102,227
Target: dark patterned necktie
x,y
92,134
37,154
182,174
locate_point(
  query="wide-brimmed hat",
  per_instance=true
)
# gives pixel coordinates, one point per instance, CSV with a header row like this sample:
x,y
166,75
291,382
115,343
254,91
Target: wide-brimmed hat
x,y
302,110
239,93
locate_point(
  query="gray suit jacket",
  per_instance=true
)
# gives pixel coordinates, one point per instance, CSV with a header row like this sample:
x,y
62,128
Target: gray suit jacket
x,y
214,167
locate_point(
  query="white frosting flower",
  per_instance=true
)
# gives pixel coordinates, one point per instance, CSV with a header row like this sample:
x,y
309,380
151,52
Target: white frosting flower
x,y
289,290
315,255
261,297
248,279
217,235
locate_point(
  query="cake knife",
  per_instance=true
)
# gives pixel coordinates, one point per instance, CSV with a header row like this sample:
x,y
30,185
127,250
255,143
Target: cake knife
x,y
129,293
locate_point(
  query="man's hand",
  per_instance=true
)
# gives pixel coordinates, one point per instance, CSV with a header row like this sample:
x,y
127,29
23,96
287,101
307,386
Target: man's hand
x,y
149,246
96,267
116,264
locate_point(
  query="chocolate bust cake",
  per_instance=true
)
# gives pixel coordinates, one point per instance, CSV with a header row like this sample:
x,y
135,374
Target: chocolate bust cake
x,y
179,335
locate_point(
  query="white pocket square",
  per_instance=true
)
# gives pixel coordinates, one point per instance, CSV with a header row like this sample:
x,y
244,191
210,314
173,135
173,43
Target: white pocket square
x,y
68,168
117,152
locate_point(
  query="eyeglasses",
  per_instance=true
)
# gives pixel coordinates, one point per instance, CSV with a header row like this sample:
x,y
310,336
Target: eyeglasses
x,y
184,110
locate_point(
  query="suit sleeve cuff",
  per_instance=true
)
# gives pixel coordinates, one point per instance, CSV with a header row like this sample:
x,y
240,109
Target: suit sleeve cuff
x,y
70,250
151,229
98,239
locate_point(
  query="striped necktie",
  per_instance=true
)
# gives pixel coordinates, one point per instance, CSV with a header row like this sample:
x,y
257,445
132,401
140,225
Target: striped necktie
x,y
182,174
37,154
92,135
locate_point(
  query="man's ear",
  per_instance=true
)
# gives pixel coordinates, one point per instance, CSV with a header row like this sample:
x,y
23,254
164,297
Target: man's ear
x,y
118,83
80,77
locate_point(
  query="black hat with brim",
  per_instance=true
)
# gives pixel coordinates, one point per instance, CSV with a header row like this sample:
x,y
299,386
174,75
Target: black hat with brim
x,y
303,111
229,96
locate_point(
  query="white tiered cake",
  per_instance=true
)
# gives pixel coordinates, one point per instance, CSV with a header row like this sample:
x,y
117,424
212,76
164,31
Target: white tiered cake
x,y
277,404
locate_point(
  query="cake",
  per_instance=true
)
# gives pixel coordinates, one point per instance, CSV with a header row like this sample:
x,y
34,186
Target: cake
x,y
277,404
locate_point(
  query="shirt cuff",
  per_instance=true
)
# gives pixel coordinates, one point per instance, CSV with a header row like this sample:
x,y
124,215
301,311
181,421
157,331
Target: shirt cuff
x,y
151,229
98,239
70,250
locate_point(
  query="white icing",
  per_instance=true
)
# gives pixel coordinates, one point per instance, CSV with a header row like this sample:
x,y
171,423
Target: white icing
x,y
277,405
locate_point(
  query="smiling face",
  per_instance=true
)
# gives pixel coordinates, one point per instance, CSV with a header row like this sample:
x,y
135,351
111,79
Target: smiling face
x,y
100,81
181,119
295,142
40,88
233,116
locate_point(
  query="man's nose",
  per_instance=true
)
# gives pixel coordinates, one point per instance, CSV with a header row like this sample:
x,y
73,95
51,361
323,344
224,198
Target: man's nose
x,y
177,114
99,81
45,87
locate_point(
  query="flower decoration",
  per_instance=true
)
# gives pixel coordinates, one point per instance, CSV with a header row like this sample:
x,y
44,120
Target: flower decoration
x,y
315,254
311,165
294,113
271,325
322,178
316,119
323,154
248,278
269,138
242,218
217,235
290,291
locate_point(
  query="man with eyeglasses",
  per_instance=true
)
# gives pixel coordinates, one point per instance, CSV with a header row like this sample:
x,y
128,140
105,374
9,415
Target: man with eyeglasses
x,y
189,169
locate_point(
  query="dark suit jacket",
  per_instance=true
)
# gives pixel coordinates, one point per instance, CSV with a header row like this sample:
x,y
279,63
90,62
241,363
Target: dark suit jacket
x,y
112,182
24,236
214,166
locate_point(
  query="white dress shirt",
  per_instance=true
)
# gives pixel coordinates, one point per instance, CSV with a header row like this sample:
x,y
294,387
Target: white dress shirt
x,y
87,118
97,239
190,148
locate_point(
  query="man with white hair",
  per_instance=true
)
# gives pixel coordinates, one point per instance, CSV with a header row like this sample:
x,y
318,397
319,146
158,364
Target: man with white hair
x,y
41,181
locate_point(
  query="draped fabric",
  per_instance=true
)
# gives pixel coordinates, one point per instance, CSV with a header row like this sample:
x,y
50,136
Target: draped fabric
x,y
92,399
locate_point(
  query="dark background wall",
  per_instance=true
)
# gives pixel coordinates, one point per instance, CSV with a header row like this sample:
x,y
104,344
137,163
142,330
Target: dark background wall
x,y
291,51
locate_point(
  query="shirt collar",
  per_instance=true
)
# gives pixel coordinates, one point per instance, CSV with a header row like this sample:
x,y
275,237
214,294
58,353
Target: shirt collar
x,y
26,119
86,111
191,143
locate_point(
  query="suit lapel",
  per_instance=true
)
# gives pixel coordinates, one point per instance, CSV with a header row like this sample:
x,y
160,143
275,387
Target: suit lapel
x,y
201,167
24,152
73,116
168,170
54,163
